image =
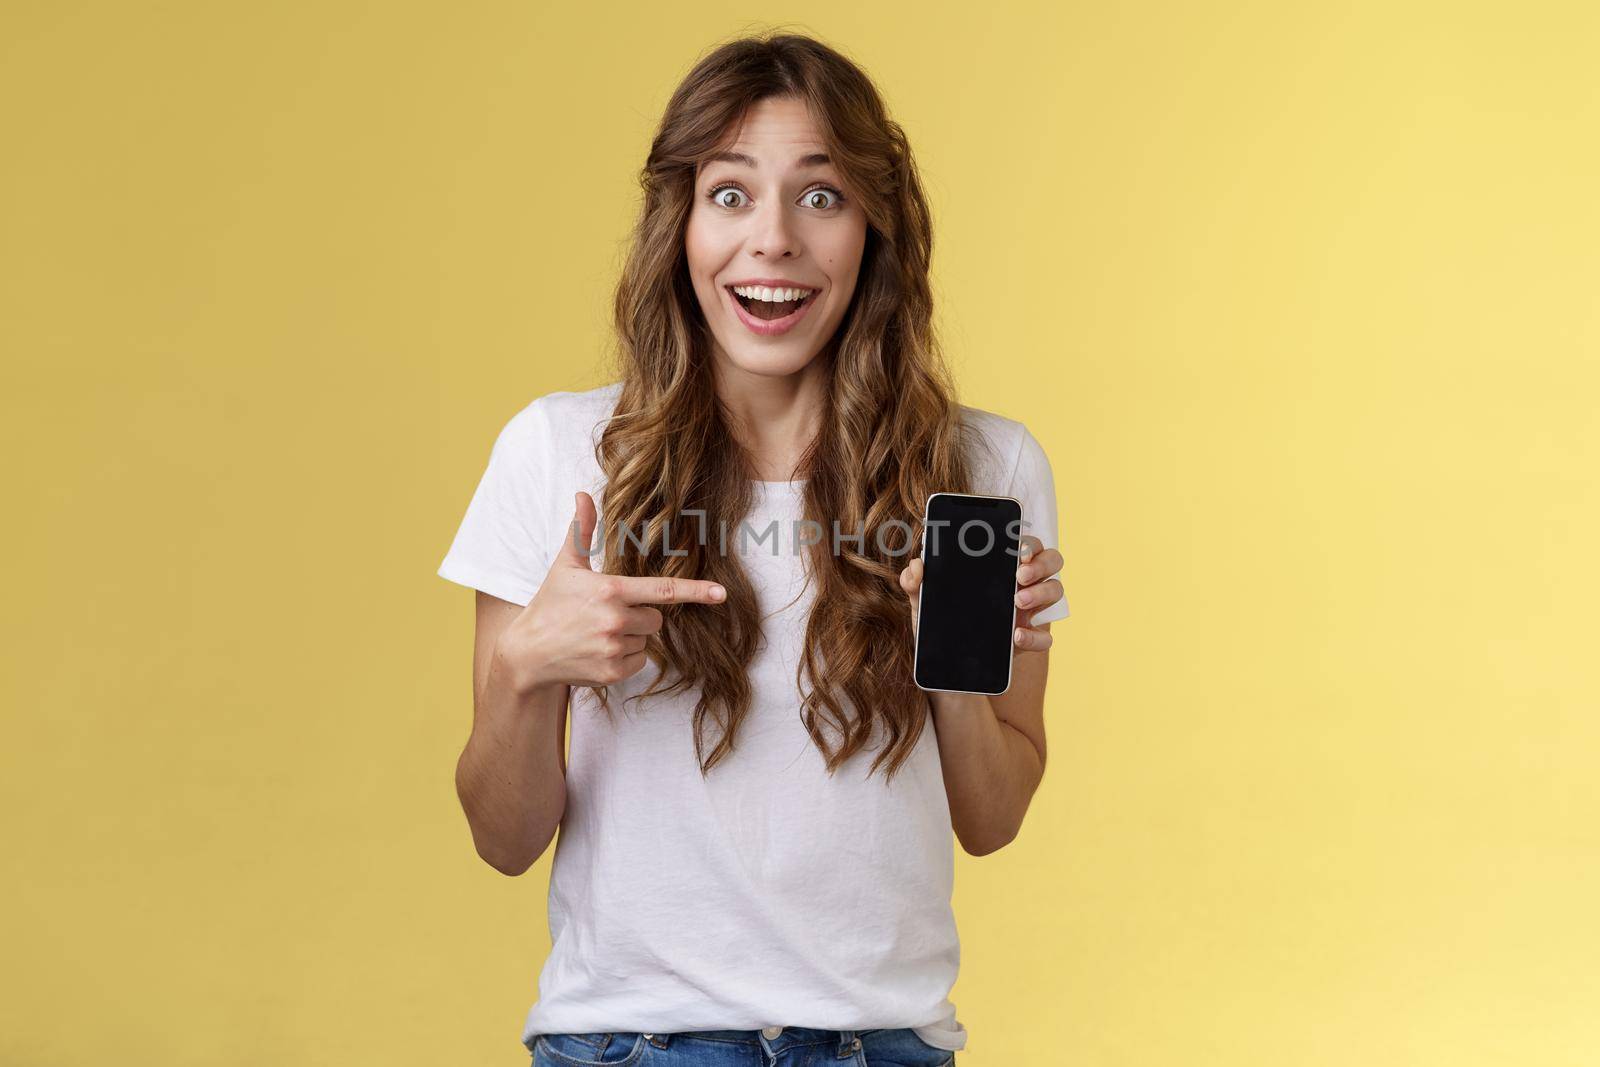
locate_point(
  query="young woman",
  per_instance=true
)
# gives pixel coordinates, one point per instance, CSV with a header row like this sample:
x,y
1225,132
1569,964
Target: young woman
x,y
755,858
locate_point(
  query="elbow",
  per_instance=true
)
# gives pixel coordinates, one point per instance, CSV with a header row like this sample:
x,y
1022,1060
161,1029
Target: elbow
x,y
983,845
510,866
510,862
509,849
512,857
510,854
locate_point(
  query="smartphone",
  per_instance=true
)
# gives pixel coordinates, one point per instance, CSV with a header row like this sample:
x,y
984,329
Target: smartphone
x,y
966,611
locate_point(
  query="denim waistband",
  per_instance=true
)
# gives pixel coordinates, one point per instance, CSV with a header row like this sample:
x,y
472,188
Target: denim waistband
x,y
844,1042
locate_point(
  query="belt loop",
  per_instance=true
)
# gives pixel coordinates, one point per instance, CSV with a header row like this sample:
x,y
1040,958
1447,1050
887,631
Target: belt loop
x,y
659,1040
849,1044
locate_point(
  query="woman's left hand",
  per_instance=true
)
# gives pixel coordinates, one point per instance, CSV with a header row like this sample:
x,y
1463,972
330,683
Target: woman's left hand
x,y
1037,589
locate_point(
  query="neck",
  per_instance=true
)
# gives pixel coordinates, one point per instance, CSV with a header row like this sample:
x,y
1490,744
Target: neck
x,y
775,417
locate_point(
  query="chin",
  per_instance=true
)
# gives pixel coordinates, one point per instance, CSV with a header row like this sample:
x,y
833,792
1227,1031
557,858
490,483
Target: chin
x,y
769,362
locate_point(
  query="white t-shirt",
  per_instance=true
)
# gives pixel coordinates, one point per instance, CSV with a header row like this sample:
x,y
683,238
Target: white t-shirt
x,y
767,893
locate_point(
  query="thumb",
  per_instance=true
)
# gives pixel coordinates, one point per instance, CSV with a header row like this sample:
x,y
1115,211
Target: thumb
x,y
911,586
575,545
911,582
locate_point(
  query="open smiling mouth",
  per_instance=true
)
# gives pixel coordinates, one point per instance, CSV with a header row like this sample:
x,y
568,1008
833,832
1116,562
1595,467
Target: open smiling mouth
x,y
772,310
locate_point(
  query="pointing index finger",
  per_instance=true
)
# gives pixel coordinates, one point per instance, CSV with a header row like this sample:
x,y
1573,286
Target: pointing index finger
x,y
665,590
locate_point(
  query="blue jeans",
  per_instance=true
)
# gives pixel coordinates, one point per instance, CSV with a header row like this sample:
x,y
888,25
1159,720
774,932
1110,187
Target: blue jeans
x,y
796,1046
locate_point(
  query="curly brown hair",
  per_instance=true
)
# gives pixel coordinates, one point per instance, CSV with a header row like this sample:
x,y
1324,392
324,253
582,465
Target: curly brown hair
x,y
891,431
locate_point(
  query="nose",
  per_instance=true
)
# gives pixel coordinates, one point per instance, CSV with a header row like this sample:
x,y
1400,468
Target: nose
x,y
773,234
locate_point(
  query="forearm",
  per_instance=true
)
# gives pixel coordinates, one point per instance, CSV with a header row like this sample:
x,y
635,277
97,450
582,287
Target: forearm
x,y
990,770
509,777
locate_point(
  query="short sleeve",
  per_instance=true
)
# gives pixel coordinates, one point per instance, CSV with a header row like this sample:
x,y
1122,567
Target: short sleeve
x,y
503,545
1033,483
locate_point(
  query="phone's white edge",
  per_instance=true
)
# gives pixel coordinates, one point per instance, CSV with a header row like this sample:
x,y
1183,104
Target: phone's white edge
x,y
916,646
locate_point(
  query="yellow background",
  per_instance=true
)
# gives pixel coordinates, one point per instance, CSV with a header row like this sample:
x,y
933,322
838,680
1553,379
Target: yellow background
x,y
1300,299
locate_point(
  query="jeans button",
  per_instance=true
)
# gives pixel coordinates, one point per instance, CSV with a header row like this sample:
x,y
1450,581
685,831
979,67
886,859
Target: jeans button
x,y
771,1032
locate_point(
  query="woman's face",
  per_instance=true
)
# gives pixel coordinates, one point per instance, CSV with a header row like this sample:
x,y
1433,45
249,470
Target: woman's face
x,y
770,211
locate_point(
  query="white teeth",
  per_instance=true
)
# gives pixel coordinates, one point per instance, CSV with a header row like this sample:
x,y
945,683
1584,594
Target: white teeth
x,y
762,292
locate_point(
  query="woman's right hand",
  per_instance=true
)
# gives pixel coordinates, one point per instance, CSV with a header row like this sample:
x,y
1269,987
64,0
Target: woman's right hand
x,y
587,628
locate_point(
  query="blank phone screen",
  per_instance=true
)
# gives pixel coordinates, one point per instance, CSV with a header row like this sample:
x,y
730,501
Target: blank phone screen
x,y
969,585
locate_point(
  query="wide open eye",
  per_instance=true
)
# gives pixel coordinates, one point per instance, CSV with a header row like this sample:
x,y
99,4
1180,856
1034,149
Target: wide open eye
x,y
718,195
835,197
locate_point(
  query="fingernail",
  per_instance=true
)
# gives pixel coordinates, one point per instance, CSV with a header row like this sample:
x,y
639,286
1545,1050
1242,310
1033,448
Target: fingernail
x,y
1022,598
717,592
1018,636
